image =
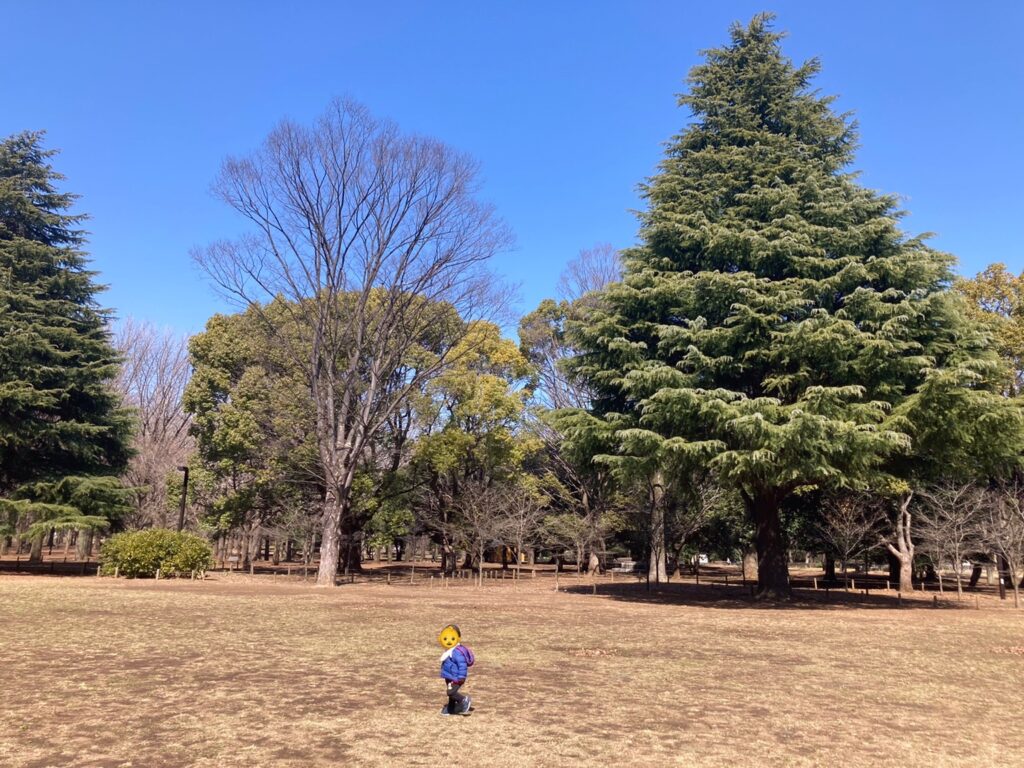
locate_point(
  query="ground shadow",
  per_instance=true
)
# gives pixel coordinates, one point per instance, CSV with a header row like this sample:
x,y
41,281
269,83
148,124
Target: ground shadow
x,y
740,595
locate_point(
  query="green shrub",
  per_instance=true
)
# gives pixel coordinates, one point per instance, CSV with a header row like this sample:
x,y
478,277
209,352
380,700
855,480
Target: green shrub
x,y
141,553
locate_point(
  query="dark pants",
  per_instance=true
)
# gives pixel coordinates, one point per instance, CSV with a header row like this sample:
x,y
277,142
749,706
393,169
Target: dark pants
x,y
456,700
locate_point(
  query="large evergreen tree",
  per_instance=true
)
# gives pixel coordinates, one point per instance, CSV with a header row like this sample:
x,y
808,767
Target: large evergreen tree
x,y
776,324
59,415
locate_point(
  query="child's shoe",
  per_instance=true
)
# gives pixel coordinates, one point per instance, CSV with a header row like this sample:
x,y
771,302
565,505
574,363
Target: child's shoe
x,y
444,710
468,705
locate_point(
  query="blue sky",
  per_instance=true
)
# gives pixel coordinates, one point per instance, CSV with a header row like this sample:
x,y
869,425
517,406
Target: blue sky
x,y
565,104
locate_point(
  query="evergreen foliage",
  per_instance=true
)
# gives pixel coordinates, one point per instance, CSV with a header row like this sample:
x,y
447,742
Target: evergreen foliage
x,y
776,324
60,419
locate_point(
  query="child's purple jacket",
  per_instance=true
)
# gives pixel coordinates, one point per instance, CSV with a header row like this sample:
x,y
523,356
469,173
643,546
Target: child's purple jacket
x,y
454,667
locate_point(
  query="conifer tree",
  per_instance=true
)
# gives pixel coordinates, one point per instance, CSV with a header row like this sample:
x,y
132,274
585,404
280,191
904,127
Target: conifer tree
x,y
59,415
775,324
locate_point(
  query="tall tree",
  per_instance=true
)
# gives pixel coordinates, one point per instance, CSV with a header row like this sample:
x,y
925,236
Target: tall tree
x,y
60,416
775,316
376,240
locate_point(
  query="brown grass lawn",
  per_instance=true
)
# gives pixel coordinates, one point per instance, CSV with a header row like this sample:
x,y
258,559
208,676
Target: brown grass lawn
x,y
242,671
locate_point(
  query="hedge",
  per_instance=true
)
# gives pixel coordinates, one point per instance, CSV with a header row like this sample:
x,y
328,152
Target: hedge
x,y
142,553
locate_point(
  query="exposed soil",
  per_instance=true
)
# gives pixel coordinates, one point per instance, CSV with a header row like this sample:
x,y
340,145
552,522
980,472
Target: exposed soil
x,y
269,671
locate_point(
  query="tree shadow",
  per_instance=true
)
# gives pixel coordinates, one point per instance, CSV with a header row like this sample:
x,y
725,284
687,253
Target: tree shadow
x,y
741,596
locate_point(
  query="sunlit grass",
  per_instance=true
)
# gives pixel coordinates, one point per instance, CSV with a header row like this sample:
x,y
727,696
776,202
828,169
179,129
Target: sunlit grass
x,y
240,672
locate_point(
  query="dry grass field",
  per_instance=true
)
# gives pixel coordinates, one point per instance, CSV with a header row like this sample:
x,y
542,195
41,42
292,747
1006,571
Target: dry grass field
x,y
243,671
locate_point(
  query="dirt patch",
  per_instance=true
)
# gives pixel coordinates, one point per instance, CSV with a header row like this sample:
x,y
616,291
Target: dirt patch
x,y
243,671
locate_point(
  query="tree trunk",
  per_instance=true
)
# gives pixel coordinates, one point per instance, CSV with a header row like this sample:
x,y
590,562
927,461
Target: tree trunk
x,y
657,565
351,554
84,549
595,564
772,566
750,566
330,543
35,554
894,566
830,566
975,575
903,551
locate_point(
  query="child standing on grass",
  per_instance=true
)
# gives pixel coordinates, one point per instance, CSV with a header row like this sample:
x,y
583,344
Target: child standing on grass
x,y
455,663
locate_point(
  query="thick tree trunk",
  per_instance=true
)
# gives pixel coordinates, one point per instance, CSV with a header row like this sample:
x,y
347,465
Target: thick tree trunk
x,y
894,567
750,566
830,566
35,554
975,575
903,549
772,558
330,543
657,565
351,554
84,550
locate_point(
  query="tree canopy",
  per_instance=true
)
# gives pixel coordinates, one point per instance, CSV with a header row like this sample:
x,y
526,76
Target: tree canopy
x,y
775,323
59,414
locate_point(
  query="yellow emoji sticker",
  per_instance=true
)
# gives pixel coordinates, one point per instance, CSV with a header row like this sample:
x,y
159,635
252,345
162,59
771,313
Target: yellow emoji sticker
x,y
449,636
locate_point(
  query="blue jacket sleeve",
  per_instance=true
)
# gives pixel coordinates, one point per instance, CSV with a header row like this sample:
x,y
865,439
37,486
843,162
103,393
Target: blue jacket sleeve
x,y
455,667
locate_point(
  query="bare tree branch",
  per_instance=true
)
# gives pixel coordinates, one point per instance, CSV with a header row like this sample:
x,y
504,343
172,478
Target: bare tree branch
x,y
376,245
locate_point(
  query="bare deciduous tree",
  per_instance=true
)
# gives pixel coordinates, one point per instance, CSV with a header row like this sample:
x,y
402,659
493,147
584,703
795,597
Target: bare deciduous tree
x,y
377,244
480,523
522,511
591,270
689,510
1002,529
850,526
543,332
949,525
152,379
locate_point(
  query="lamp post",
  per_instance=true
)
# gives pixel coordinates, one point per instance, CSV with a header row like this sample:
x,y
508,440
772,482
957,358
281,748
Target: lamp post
x,y
184,490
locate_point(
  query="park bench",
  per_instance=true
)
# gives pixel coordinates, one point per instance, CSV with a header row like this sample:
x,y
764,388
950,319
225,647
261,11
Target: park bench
x,y
624,565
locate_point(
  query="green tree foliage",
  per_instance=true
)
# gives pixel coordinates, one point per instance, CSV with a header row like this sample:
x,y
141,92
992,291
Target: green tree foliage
x,y
995,296
470,422
138,554
61,425
253,423
776,324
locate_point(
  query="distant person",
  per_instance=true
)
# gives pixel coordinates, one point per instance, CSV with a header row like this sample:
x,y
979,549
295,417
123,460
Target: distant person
x,y
455,663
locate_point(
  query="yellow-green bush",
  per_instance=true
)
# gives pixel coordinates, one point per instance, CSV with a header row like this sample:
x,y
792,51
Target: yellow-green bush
x,y
141,553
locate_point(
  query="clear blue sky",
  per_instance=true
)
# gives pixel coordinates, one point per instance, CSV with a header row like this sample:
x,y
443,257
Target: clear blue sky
x,y
566,105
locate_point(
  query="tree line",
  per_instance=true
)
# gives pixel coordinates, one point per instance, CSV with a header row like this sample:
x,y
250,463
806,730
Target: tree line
x,y
775,366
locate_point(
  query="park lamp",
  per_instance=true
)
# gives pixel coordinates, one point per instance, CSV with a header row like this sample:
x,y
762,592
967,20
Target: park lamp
x,y
184,490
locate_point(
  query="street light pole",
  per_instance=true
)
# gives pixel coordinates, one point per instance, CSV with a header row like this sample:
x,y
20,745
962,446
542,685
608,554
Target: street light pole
x,y
184,490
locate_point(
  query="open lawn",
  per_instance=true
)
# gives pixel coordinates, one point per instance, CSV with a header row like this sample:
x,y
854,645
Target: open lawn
x,y
243,671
